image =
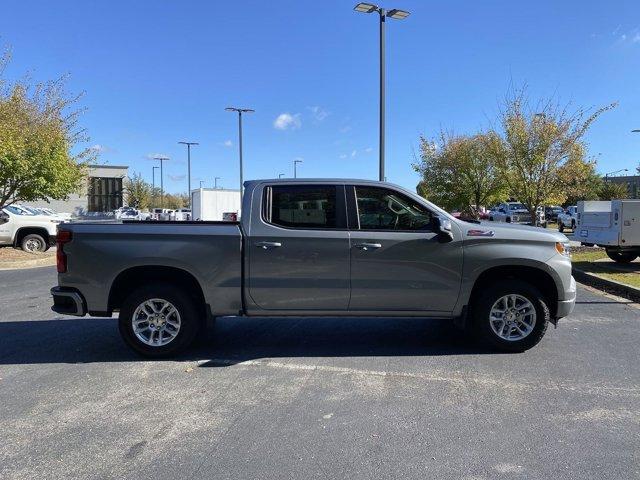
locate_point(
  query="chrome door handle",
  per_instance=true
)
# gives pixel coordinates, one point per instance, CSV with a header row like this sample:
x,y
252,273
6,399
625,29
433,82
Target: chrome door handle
x,y
268,245
368,246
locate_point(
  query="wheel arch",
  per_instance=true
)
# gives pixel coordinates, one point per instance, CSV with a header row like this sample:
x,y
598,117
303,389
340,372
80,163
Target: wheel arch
x,y
537,277
24,231
127,280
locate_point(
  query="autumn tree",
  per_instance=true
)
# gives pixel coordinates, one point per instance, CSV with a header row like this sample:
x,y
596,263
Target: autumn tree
x,y
578,179
40,158
613,191
461,172
537,141
138,192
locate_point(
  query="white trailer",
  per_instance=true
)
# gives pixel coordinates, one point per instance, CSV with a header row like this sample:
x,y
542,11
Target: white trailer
x,y
214,203
614,225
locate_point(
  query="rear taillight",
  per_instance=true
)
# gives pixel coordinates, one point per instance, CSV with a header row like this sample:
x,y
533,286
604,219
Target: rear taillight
x,y
64,236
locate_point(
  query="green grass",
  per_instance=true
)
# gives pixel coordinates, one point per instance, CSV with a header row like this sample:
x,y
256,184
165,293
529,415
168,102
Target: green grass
x,y
585,260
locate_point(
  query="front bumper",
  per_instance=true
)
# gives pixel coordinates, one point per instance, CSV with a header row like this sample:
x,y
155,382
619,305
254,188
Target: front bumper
x,y
68,301
565,307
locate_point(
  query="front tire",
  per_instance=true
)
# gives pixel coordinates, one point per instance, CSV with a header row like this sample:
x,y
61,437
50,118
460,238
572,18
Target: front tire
x,y
621,257
159,320
510,316
560,226
34,243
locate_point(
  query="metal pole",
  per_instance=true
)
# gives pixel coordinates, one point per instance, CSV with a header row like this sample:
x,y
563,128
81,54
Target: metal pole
x,y
383,16
189,171
161,184
295,170
153,184
240,145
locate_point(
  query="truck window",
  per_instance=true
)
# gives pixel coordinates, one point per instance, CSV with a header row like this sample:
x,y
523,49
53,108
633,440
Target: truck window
x,y
383,209
302,206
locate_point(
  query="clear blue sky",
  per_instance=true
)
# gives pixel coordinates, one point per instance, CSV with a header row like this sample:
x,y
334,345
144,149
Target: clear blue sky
x,y
156,72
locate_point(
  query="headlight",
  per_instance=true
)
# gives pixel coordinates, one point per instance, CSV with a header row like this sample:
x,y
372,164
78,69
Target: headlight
x,y
563,248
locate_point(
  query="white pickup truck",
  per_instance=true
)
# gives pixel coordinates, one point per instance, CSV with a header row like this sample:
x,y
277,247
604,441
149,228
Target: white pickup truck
x,y
511,212
21,228
568,219
614,225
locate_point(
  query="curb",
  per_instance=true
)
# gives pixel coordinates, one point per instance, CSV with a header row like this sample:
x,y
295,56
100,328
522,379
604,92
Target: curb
x,y
609,286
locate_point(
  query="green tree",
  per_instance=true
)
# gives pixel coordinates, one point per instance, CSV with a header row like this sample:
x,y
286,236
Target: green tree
x,y
461,172
138,192
613,191
578,179
536,142
38,134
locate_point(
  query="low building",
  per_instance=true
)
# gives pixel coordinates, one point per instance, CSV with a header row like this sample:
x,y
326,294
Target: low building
x,y
103,191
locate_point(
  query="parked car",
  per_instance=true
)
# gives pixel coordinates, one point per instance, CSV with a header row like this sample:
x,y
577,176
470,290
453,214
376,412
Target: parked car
x,y
552,211
181,214
21,228
511,212
310,248
568,218
614,225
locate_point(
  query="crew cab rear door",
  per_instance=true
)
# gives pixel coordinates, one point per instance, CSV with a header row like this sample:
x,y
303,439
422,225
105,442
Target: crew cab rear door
x,y
397,261
298,248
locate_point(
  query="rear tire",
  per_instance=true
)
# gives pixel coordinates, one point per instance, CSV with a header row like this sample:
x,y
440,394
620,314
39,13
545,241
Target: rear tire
x,y
523,323
167,320
621,257
34,243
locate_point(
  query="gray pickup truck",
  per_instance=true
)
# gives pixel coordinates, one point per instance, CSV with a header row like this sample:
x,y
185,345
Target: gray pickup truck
x,y
316,248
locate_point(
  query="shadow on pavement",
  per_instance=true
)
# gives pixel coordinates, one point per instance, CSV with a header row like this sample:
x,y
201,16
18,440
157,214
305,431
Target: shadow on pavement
x,y
237,339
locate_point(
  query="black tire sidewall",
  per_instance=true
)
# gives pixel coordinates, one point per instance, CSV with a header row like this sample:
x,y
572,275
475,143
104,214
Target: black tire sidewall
x,y
40,238
190,320
481,308
621,257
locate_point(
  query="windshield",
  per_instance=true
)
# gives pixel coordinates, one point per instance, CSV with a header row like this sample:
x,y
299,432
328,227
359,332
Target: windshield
x,y
16,210
517,206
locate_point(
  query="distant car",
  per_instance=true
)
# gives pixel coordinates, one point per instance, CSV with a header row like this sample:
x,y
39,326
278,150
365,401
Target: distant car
x,y
511,212
552,212
568,219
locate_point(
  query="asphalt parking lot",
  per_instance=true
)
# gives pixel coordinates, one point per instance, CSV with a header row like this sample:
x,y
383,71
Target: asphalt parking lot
x,y
316,398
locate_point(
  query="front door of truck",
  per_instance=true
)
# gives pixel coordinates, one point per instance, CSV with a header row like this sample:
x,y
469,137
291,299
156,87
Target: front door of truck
x,y
298,249
397,262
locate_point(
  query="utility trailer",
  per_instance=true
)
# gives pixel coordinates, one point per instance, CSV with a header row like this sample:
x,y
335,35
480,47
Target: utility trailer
x,y
614,225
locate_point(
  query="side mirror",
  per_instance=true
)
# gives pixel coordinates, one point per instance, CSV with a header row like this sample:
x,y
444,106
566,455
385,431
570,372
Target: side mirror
x,y
4,217
442,227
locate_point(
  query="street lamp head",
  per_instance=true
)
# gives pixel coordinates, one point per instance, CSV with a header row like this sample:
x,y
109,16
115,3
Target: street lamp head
x,y
366,8
239,110
188,143
636,130
397,14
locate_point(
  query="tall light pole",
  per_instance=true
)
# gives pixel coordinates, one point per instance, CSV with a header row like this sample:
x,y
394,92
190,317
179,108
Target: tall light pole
x,y
153,184
188,144
215,182
240,112
162,160
280,175
201,182
397,15
295,169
